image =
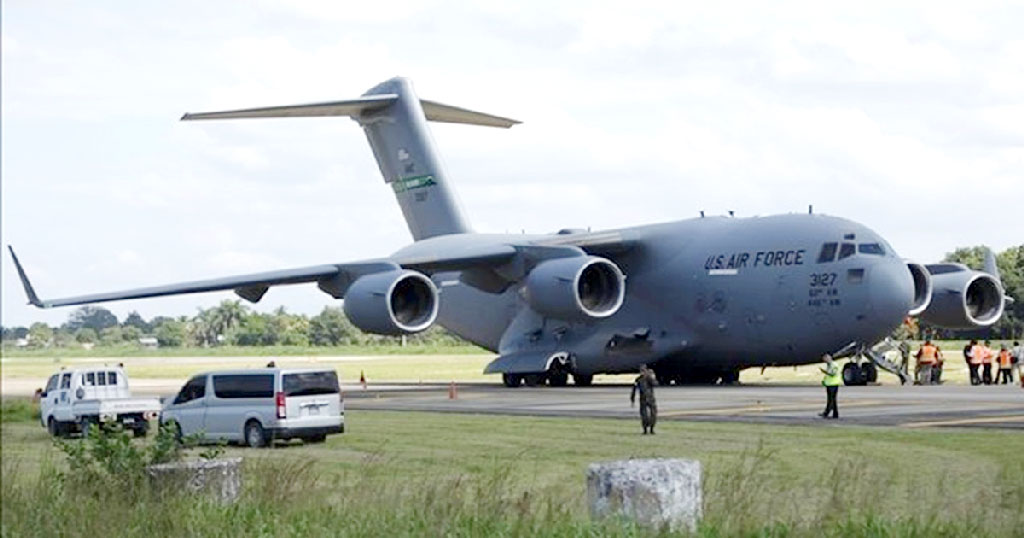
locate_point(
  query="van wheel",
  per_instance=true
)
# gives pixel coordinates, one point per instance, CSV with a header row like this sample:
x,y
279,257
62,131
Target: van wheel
x,y
141,431
317,438
255,437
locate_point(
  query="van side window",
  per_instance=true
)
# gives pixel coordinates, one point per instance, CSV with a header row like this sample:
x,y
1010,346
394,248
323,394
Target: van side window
x,y
52,383
65,381
244,386
193,390
90,379
847,250
310,383
828,253
111,378
101,378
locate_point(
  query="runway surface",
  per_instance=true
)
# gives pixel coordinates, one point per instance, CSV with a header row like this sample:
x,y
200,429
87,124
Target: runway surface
x,y
910,406
999,406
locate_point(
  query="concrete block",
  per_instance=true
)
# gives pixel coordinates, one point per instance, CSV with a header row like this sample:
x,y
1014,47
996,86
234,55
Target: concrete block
x,y
219,479
654,492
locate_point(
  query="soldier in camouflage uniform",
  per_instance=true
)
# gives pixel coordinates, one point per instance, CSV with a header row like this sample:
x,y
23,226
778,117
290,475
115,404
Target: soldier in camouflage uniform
x,y
644,384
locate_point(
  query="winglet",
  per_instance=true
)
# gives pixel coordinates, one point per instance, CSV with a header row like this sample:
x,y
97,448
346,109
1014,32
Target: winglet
x,y
33,299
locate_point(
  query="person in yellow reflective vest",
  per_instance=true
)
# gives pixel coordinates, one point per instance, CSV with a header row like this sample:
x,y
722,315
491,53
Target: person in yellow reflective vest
x,y
831,381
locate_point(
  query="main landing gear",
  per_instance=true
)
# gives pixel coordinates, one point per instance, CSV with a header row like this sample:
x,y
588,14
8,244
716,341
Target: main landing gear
x,y
557,378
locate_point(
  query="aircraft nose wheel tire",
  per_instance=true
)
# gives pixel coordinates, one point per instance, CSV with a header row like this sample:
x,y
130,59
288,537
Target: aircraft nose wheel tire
x,y
512,381
870,372
854,375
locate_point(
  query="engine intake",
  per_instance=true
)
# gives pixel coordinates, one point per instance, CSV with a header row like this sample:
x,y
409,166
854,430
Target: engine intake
x,y
964,299
580,288
922,288
392,303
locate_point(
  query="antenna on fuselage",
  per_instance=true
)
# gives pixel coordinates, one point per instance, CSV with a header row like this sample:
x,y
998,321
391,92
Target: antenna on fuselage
x,y
810,209
732,213
702,213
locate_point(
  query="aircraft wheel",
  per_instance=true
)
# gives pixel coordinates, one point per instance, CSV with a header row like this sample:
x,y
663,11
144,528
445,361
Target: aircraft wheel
x,y
512,381
870,372
853,375
582,380
532,380
731,377
558,378
664,379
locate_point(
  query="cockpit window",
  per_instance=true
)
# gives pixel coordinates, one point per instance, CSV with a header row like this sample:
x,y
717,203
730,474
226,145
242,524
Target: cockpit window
x,y
871,248
828,252
847,250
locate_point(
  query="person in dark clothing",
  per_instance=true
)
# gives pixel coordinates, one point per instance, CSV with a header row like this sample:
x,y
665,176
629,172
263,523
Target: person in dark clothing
x,y
644,384
972,363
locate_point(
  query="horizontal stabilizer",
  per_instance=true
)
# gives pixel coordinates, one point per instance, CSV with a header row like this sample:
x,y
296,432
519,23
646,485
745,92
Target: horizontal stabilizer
x,y
354,108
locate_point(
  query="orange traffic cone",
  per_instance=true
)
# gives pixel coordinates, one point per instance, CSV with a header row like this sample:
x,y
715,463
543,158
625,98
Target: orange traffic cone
x,y
453,391
362,379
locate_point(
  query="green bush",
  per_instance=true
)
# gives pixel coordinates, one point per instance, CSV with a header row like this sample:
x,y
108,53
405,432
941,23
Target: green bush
x,y
19,410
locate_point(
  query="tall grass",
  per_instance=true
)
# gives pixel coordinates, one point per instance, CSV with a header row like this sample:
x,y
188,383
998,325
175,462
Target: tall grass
x,y
289,496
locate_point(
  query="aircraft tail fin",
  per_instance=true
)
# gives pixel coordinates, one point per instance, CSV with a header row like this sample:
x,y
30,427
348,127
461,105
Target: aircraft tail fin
x,y
990,266
394,121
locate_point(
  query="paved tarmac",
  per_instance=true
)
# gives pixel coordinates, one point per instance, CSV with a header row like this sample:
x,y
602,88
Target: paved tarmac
x,y
998,406
907,406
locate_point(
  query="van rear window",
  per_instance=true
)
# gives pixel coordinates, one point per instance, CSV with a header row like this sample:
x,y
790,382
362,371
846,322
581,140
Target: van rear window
x,y
308,383
244,386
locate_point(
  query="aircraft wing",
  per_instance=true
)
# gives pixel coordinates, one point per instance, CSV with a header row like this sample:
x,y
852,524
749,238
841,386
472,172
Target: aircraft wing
x,y
333,279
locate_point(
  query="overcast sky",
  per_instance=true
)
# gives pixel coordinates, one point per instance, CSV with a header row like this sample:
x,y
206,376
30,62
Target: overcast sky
x,y
909,120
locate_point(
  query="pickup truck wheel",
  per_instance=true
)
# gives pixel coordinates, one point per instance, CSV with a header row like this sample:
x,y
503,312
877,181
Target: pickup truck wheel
x,y
140,431
53,427
255,437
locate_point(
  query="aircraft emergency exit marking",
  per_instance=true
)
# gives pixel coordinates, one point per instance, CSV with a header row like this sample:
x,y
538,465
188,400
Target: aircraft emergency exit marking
x,y
762,258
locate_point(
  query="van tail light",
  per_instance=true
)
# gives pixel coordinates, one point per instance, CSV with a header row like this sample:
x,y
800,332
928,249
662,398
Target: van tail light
x,y
282,410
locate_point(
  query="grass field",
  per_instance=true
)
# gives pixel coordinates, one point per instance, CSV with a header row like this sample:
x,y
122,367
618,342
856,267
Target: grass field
x,y
424,474
238,351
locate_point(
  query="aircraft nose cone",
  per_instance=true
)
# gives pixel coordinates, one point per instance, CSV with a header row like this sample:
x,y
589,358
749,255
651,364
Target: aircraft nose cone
x,y
892,291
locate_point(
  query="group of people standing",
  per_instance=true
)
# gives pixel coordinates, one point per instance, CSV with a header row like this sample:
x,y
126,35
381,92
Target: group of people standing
x,y
982,357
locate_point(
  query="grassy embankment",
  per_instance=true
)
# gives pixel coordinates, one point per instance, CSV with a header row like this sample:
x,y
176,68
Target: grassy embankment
x,y
423,474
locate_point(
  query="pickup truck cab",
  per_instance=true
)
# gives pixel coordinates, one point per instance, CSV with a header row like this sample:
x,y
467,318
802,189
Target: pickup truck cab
x,y
76,399
254,407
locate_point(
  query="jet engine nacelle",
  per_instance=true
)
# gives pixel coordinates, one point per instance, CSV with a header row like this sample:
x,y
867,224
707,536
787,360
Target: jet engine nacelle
x,y
962,298
585,287
392,303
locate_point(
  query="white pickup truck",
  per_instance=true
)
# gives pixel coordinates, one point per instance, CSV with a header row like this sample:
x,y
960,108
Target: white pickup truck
x,y
77,399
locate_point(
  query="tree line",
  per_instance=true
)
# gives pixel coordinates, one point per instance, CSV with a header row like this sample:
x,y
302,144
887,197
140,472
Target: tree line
x,y
229,323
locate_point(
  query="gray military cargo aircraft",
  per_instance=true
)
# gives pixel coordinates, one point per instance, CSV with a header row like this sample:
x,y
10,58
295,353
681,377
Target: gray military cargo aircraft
x,y
697,299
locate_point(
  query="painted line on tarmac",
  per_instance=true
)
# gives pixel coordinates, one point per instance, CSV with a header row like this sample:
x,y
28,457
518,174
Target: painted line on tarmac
x,y
961,421
766,408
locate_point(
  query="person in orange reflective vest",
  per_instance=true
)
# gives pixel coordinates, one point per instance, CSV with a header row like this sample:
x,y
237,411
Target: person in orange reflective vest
x,y
986,363
1005,359
974,354
927,358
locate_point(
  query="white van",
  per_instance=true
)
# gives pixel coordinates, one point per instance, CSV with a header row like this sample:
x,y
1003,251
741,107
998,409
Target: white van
x,y
78,398
256,406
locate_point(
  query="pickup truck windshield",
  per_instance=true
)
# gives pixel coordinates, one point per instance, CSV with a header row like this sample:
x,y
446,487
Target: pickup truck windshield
x,y
309,383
